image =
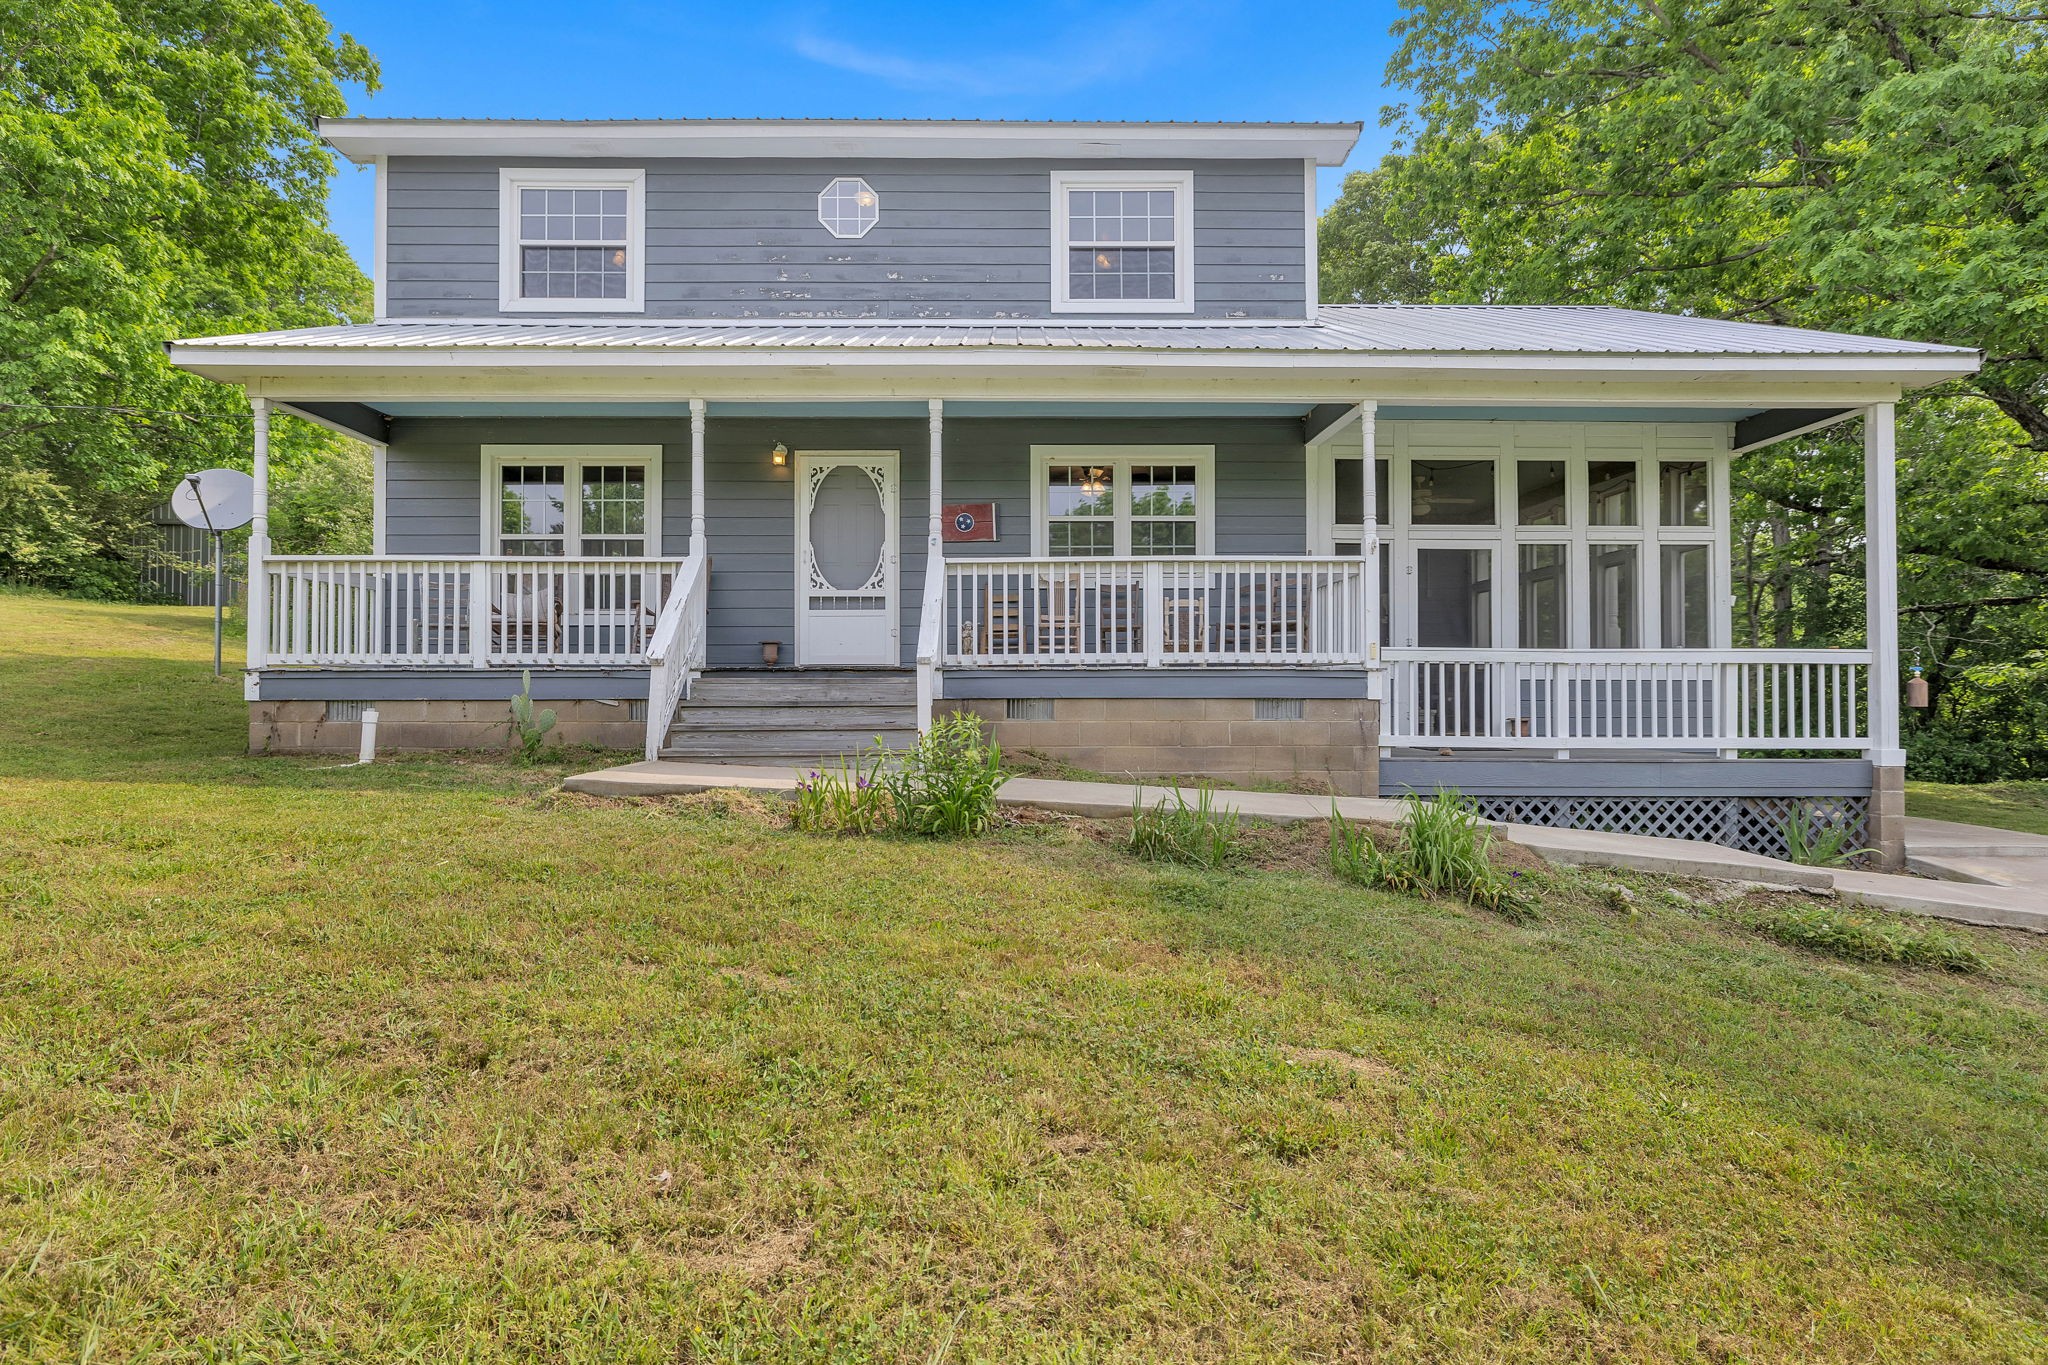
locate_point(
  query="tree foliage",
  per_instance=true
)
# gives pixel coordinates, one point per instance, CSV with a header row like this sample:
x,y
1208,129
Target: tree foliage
x,y
1838,164
159,177
1362,253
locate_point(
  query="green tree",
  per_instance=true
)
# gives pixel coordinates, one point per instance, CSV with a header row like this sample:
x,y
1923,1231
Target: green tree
x,y
159,177
1818,163
1362,251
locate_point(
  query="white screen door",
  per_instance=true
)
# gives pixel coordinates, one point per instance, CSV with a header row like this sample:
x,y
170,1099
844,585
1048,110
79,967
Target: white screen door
x,y
846,557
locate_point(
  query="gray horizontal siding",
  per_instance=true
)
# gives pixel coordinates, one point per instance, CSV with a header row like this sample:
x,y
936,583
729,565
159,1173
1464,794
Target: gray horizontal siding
x,y
957,239
433,468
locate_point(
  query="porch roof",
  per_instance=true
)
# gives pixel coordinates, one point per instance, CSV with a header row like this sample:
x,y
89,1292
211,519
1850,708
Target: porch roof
x,y
1378,330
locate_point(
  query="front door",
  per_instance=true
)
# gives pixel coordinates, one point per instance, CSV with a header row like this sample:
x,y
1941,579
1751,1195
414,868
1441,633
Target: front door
x,y
846,558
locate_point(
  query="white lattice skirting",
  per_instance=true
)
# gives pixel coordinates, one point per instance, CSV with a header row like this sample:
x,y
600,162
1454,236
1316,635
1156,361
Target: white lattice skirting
x,y
1755,824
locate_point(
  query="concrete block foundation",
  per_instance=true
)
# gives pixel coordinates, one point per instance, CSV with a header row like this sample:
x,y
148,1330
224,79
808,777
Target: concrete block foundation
x,y
1334,744
1888,818
301,727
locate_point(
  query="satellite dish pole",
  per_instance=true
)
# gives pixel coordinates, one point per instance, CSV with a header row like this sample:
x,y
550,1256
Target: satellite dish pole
x,y
199,497
215,501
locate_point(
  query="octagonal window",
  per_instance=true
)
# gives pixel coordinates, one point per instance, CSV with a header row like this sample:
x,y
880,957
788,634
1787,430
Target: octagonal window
x,y
849,207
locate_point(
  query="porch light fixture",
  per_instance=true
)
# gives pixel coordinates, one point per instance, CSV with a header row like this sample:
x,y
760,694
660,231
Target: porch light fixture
x,y
779,456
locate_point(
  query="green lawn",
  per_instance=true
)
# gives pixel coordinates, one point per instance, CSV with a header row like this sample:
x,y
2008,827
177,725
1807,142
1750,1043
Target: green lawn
x,y
426,1060
2003,805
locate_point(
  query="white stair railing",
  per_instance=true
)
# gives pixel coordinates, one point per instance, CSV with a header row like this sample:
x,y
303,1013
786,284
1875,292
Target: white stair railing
x,y
676,651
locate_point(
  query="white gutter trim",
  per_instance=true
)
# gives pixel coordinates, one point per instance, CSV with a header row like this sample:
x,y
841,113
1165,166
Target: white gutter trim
x,y
1103,357
363,139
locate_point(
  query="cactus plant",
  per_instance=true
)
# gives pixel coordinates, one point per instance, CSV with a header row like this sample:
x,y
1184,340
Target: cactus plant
x,y
530,726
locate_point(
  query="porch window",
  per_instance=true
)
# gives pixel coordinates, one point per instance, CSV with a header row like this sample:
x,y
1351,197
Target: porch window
x,y
1348,518
1612,608
1133,502
1682,495
1686,590
1122,244
1451,493
532,515
1611,492
1540,493
1545,596
570,240
555,501
1081,509
1454,597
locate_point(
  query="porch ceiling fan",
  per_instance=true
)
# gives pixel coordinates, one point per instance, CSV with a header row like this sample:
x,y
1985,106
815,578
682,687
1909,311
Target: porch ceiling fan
x,y
1425,497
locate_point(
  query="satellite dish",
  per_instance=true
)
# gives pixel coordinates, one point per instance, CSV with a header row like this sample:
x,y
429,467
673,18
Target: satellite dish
x,y
215,499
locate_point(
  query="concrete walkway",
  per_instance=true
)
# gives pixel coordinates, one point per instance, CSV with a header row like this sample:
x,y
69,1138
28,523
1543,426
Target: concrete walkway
x,y
2008,906
1975,853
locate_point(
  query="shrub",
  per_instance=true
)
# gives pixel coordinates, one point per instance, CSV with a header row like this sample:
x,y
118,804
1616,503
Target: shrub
x,y
1202,834
1816,840
1863,938
1444,848
530,727
849,799
1356,858
946,785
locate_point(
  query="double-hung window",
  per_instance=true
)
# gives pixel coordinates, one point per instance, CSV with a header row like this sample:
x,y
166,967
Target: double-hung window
x,y
571,240
1099,502
1122,242
579,502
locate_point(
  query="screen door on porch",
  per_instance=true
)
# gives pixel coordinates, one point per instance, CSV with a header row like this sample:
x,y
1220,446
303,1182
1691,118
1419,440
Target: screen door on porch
x,y
846,557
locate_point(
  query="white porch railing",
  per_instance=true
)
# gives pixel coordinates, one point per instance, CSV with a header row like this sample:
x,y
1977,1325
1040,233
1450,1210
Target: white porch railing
x,y
677,649
1721,699
1153,612
353,610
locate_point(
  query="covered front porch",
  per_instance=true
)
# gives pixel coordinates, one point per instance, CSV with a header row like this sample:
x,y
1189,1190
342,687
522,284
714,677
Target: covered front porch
x,y
1247,557
1512,579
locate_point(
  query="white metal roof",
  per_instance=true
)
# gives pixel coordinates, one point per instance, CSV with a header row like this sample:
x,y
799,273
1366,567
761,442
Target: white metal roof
x,y
362,140
1365,329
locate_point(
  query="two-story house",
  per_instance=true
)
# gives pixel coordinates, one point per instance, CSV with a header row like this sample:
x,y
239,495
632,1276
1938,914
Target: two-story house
x,y
755,438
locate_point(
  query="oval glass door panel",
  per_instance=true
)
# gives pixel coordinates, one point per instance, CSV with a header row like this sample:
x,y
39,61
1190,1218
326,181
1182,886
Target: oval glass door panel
x,y
848,526
846,558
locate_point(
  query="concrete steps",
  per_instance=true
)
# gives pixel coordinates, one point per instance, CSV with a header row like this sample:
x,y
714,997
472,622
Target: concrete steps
x,y
786,718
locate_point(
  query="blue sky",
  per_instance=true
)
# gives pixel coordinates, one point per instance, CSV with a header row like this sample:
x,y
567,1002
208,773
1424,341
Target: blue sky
x,y
1141,59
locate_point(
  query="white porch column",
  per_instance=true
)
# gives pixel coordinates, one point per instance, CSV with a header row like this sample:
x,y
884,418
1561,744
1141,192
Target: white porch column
x,y
1368,413
1881,610
937,409
258,593
696,476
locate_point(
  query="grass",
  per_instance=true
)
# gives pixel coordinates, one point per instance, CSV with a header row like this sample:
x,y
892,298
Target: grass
x,y
429,1060
2002,805
1863,937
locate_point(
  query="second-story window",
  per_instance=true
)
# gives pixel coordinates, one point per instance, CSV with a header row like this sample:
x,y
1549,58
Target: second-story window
x,y
571,240
1122,242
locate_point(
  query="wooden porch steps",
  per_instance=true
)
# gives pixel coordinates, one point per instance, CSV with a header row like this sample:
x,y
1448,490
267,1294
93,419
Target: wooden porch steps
x,y
760,716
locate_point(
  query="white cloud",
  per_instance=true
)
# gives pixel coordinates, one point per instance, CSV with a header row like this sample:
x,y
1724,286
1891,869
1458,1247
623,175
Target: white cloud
x,y
1141,39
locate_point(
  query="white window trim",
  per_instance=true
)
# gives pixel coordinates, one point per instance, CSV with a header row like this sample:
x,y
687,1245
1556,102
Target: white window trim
x,y
1203,458
1182,183
835,233
1498,442
496,457
511,180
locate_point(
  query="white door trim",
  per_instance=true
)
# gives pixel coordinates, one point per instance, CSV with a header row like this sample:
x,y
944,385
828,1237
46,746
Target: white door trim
x,y
886,463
